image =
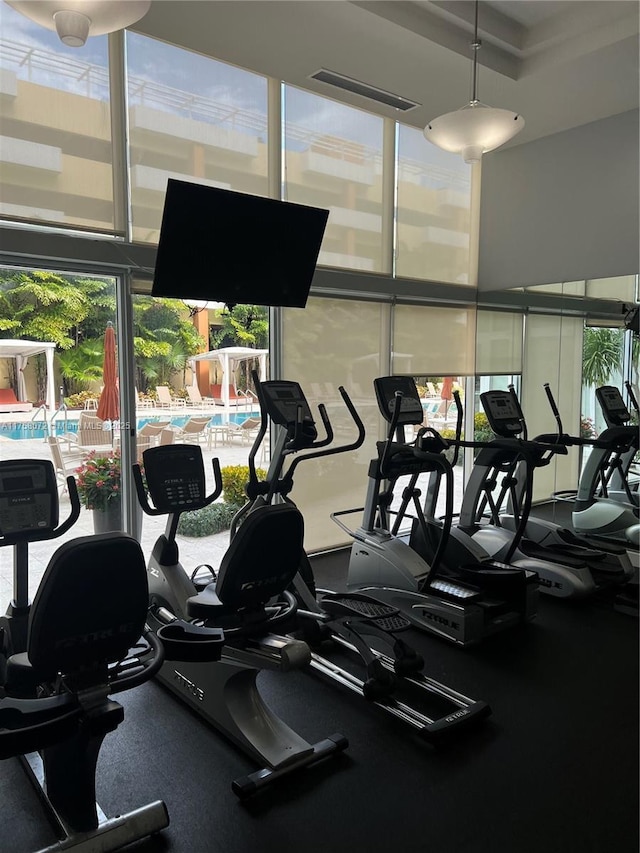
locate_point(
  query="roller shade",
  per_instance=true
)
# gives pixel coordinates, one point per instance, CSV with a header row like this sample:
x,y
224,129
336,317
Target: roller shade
x,y
433,340
498,343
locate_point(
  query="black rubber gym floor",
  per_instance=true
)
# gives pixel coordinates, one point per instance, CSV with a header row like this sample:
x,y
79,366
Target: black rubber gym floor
x,y
554,770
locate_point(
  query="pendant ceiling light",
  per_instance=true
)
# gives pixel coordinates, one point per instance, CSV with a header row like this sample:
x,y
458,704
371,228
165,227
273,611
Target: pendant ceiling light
x,y
475,128
76,20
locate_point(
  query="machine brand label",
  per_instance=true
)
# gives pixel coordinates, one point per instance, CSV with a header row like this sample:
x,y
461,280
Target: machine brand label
x,y
184,682
457,715
94,636
440,620
154,572
548,583
258,582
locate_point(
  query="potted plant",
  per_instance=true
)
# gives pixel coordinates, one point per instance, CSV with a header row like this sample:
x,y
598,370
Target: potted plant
x,y
98,480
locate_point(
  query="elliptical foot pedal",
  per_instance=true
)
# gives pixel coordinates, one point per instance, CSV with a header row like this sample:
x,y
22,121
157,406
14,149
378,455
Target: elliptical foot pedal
x,y
355,605
246,786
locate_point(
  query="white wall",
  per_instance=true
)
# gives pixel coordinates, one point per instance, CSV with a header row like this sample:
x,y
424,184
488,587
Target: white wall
x,y
562,208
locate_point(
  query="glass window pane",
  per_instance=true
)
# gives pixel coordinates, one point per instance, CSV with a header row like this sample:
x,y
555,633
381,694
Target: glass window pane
x,y
335,342
433,208
553,354
430,340
499,342
190,118
621,287
55,142
333,160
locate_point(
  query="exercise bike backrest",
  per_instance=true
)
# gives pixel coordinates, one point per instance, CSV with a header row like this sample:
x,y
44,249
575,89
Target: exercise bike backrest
x,y
89,610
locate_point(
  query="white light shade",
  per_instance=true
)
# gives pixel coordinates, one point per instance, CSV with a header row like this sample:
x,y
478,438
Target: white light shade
x,y
72,27
74,20
473,130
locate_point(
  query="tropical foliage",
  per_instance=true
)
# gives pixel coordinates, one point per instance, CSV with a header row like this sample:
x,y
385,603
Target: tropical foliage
x,y
601,355
164,340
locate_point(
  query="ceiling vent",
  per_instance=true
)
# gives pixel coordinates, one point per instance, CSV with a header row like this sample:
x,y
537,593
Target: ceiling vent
x,y
348,84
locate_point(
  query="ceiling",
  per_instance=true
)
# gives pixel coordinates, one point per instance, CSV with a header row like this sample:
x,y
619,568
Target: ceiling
x,y
559,63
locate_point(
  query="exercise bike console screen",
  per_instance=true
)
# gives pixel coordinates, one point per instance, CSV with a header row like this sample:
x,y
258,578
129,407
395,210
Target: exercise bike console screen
x,y
613,406
175,477
284,401
28,496
502,413
386,387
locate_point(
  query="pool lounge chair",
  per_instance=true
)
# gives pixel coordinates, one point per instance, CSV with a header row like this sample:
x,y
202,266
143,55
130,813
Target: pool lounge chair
x,y
195,430
196,399
166,401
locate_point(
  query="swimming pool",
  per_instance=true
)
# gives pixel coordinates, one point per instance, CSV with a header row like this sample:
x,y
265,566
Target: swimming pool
x,y
26,430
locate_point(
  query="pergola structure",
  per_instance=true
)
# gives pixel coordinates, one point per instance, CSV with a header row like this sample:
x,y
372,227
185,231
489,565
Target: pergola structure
x,y
22,351
229,358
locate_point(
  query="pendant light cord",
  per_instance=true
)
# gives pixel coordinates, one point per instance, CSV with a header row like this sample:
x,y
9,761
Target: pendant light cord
x,y
476,44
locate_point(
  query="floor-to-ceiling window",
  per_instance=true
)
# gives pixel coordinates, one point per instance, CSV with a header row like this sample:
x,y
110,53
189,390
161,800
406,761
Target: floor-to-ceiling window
x,y
55,143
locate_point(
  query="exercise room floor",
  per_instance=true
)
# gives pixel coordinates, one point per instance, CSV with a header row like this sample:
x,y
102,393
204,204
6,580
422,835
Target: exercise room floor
x,y
554,769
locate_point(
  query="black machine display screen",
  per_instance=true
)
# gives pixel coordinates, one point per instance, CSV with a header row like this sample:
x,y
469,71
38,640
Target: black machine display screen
x,y
17,484
612,399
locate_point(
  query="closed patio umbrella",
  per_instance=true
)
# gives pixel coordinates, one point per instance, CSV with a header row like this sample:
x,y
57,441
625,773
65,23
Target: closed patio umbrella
x,y
109,403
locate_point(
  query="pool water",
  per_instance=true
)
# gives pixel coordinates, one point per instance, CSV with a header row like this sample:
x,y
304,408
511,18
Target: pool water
x,y
21,431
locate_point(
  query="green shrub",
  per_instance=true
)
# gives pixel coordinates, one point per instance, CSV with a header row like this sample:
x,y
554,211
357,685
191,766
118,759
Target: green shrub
x,y
77,401
215,518
481,429
234,479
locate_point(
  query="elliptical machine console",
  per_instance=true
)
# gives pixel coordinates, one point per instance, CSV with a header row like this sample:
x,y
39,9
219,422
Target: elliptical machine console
x,y
613,406
502,413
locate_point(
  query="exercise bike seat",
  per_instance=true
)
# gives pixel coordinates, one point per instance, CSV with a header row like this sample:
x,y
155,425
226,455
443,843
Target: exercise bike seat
x,y
260,564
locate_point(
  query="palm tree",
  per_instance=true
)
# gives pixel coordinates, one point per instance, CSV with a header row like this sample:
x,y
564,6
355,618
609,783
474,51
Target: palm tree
x,y
601,355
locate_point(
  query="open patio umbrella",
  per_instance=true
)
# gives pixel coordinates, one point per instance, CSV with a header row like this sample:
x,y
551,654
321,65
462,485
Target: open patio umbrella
x,y
109,403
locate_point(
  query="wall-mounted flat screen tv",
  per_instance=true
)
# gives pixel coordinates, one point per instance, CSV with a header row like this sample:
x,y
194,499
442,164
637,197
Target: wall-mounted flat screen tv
x,y
223,246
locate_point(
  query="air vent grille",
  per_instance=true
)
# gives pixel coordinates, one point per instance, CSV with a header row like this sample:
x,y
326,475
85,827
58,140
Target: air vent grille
x,y
348,84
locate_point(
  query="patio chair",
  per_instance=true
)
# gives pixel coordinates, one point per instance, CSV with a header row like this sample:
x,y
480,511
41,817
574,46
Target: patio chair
x,y
149,434
91,433
166,401
143,402
196,398
245,431
194,430
64,462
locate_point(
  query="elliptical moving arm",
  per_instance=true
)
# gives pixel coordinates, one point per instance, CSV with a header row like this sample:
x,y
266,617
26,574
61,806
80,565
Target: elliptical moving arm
x,y
343,448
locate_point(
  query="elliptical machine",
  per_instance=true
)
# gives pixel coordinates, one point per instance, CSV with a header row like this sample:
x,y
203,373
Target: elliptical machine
x,y
346,620
249,600
615,482
608,565
462,600
66,654
596,516
497,500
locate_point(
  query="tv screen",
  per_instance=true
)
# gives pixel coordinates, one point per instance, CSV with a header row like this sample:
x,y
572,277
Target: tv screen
x,y
222,246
